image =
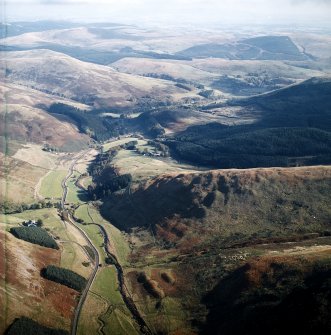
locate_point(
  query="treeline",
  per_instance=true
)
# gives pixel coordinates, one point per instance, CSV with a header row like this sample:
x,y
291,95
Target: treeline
x,y
91,122
64,276
8,207
101,127
106,179
101,161
26,326
150,124
248,147
108,182
35,235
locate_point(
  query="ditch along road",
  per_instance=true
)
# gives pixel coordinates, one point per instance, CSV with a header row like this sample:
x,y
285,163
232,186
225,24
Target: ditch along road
x,y
67,217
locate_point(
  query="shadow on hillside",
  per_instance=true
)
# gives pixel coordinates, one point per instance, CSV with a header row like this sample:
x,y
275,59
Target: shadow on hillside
x,y
287,301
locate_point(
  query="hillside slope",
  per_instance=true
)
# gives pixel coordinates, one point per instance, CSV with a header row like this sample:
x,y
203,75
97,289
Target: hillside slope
x,y
226,203
289,127
88,83
24,120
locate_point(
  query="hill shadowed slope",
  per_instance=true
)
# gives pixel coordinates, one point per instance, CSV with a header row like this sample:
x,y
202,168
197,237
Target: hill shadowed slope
x,y
292,128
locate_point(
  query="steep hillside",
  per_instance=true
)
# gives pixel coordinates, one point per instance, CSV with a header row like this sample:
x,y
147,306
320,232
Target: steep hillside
x,y
225,203
25,292
307,104
231,246
24,120
88,83
273,294
291,127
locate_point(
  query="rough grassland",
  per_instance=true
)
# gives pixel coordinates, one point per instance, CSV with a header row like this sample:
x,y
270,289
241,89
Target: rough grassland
x,y
24,292
72,255
18,179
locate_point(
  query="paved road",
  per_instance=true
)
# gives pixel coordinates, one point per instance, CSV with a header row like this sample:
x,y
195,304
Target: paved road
x,y
144,329
90,281
69,219
127,299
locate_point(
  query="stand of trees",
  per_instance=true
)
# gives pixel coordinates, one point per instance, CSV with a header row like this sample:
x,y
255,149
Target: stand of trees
x,y
26,326
65,277
8,207
35,235
106,179
91,123
248,146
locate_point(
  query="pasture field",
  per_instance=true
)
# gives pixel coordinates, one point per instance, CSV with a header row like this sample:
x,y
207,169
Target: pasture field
x,y
119,142
89,322
117,319
51,184
144,167
118,242
106,285
96,238
75,194
82,213
119,323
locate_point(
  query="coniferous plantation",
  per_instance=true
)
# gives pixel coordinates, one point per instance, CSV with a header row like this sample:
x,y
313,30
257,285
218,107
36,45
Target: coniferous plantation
x,y
292,128
165,167
64,276
34,235
26,326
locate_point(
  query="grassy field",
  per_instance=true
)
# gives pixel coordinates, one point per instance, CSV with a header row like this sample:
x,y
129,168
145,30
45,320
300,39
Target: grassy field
x,y
117,319
119,323
106,285
118,243
116,143
144,167
75,194
82,213
97,312
89,322
97,239
72,255
104,303
51,184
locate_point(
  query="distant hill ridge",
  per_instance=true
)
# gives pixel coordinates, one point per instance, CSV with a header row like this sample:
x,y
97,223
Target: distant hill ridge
x,y
259,48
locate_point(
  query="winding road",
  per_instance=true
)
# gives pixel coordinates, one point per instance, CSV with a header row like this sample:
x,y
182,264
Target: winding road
x,y
144,329
69,219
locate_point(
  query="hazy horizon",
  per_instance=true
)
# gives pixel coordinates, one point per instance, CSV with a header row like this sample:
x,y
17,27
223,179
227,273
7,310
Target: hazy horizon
x,y
312,13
